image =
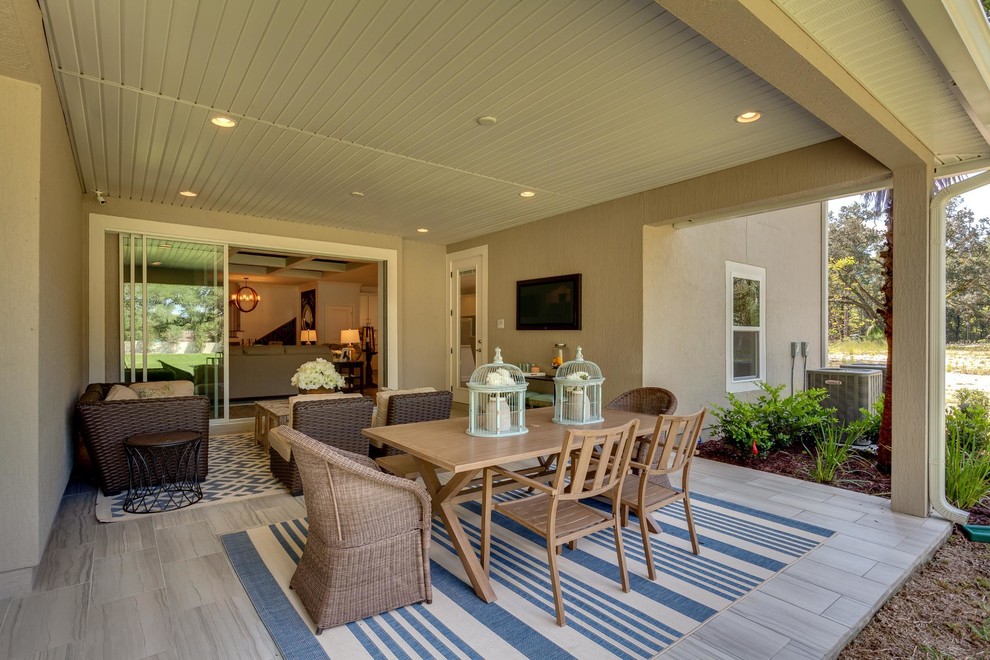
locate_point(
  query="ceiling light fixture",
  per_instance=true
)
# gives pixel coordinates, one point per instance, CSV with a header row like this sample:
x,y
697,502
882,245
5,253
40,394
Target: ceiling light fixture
x,y
246,298
748,117
486,121
422,230
527,193
357,193
223,122
156,263
187,193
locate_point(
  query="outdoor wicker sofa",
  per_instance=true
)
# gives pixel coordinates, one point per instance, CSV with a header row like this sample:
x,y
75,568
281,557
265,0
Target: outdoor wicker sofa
x,y
104,425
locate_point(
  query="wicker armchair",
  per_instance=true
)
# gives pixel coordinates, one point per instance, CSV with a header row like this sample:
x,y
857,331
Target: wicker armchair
x,y
408,409
334,422
647,400
104,425
369,536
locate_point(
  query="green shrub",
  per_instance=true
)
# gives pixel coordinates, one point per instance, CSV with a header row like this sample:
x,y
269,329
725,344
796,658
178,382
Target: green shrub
x,y
969,421
833,447
868,424
771,421
967,472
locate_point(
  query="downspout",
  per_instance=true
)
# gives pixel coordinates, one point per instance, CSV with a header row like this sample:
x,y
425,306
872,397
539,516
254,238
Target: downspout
x,y
936,346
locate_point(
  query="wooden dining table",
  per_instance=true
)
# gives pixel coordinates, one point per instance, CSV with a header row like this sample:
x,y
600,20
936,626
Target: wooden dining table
x,y
444,446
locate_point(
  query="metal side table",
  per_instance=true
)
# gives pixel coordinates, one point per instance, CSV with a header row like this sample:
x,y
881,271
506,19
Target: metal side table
x,y
163,471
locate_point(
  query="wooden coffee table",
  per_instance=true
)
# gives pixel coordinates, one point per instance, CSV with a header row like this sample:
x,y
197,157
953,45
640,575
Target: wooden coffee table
x,y
268,415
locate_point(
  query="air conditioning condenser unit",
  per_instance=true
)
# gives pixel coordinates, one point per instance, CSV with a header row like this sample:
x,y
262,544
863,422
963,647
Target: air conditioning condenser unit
x,y
848,389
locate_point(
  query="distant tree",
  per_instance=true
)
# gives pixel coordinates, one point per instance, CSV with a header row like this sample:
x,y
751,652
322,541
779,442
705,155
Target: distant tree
x,y
967,265
855,240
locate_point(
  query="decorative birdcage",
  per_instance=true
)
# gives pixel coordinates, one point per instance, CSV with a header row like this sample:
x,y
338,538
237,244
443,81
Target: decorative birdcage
x,y
497,405
578,392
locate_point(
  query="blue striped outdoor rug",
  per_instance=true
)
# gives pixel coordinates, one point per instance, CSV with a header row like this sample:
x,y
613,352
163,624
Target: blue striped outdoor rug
x,y
741,548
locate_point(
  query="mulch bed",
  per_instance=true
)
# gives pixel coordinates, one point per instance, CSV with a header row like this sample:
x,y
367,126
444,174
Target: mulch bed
x,y
943,611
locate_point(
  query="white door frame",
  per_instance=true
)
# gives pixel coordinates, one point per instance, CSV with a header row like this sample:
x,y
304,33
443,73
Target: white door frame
x,y
476,257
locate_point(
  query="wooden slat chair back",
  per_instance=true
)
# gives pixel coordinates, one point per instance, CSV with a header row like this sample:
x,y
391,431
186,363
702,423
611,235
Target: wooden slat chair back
x,y
593,462
671,449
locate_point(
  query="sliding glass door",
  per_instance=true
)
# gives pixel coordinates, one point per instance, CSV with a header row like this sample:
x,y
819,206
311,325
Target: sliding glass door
x,y
172,303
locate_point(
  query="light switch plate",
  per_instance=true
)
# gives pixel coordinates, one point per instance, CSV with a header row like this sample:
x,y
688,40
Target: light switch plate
x,y
500,324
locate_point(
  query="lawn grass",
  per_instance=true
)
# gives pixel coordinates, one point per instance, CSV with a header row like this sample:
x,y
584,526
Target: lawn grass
x,y
971,359
184,361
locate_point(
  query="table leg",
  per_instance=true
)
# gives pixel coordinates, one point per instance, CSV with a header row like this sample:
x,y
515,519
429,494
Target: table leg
x,y
458,537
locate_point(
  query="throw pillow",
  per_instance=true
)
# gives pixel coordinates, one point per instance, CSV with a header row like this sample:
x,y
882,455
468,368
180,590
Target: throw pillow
x,y
120,393
155,392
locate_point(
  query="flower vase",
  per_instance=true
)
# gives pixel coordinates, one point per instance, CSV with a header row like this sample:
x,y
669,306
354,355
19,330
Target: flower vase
x,y
318,390
577,407
496,415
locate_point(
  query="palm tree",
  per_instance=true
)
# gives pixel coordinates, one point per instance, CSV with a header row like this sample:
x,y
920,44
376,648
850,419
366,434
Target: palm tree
x,y
882,201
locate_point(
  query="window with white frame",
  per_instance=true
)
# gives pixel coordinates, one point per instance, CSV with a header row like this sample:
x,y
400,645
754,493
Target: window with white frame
x,y
745,326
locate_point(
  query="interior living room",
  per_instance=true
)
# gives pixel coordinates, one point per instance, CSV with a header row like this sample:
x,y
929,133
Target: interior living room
x,y
397,169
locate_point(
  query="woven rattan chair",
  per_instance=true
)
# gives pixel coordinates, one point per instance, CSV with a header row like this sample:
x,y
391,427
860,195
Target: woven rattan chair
x,y
334,422
369,536
599,461
104,425
407,409
646,400
671,449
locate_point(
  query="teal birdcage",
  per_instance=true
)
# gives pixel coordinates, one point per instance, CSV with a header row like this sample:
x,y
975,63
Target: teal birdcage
x,y
578,392
497,403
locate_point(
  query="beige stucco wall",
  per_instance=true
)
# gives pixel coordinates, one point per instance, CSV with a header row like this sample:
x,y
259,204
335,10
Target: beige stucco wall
x,y
604,244
684,329
42,325
20,167
422,315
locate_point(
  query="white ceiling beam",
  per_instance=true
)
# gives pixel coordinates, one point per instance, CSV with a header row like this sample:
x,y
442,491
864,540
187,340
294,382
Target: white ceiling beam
x,y
258,260
760,35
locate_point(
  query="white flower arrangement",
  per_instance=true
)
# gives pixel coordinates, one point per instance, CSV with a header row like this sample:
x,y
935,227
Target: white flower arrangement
x,y
500,376
316,375
576,377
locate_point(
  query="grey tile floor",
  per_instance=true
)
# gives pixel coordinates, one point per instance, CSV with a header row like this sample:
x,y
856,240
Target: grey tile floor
x,y
162,587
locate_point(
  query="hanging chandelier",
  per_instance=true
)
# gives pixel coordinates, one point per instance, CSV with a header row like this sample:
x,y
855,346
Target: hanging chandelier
x,y
246,298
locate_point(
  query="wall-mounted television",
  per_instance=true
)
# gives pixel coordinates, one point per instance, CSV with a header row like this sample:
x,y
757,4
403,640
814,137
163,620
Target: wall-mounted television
x,y
549,303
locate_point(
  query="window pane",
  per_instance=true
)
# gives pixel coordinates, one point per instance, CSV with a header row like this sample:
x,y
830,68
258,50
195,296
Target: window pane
x,y
745,302
745,354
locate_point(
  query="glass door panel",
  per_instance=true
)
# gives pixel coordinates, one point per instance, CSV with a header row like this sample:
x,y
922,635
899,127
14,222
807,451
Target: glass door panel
x,y
172,310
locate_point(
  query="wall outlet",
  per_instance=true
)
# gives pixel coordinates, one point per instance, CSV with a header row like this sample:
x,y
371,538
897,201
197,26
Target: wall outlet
x,y
500,324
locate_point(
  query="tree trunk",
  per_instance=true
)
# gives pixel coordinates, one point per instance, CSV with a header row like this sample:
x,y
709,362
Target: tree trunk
x,y
887,314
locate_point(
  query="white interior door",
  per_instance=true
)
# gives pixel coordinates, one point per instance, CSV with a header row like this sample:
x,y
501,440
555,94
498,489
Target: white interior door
x,y
468,303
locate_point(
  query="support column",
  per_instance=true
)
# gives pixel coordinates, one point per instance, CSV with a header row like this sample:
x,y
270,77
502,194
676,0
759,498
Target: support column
x,y
909,459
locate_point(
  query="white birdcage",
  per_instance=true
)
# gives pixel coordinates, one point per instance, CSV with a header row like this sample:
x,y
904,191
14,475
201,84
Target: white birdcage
x,y
497,405
578,392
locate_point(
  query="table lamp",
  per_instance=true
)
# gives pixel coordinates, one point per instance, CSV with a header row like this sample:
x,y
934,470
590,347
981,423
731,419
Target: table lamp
x,y
308,336
350,337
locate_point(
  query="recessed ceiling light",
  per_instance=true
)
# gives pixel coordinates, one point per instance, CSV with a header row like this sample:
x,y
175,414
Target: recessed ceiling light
x,y
224,122
486,121
156,263
422,230
187,193
357,193
166,246
748,117
527,193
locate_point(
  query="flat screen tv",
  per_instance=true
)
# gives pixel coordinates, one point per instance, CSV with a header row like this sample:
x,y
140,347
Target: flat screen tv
x,y
549,303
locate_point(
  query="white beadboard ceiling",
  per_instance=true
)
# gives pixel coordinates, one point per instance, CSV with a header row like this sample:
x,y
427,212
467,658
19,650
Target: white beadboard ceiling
x,y
594,100
872,40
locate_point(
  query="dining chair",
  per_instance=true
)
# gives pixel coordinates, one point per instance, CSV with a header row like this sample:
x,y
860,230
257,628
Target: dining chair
x,y
594,462
368,547
646,400
671,449
408,408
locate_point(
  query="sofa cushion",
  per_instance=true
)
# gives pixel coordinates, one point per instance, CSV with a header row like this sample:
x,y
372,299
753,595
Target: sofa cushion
x,y
163,389
120,392
315,349
381,412
261,349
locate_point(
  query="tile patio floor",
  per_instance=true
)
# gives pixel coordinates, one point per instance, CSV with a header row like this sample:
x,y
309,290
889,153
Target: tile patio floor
x,y
163,587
